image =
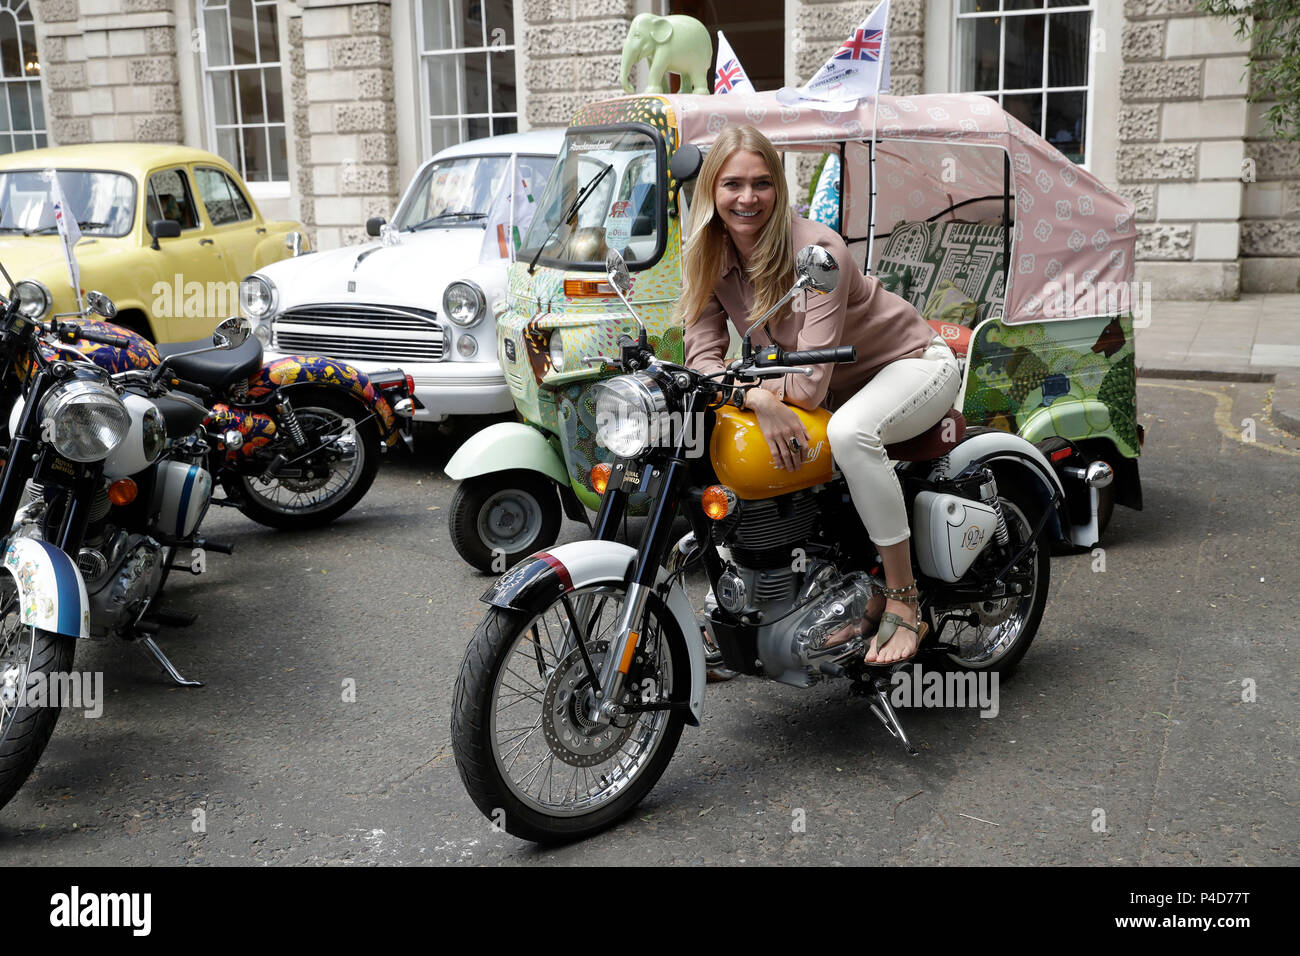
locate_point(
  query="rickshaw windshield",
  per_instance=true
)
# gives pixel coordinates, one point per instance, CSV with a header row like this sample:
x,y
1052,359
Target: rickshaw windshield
x,y
613,175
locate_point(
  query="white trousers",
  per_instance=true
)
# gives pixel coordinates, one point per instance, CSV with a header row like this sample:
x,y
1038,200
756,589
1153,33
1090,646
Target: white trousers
x,y
904,399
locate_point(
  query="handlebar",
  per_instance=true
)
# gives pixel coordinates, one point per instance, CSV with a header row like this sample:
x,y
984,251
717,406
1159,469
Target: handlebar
x,y
841,355
194,388
71,333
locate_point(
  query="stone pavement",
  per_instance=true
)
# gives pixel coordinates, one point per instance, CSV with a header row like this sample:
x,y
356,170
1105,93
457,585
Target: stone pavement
x,y
1255,339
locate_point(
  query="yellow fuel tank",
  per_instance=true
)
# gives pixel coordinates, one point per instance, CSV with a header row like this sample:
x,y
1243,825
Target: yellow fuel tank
x,y
743,463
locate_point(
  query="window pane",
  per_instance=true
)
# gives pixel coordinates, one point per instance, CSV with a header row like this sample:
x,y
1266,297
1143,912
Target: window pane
x,y
274,95
223,98
978,42
437,25
504,124
24,142
38,107
500,22
40,141
19,111
228,147
268,39
1024,53
1026,107
1065,122
250,96
4,115
503,82
443,133
257,166
11,59
279,154
1067,57
215,39
470,22
241,29
476,82
442,84
31,60
1021,4
477,127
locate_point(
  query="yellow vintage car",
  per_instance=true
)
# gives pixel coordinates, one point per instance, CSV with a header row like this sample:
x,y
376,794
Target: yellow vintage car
x,y
170,287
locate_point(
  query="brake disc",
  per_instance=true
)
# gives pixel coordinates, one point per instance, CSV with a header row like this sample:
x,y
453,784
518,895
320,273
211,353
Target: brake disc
x,y
571,735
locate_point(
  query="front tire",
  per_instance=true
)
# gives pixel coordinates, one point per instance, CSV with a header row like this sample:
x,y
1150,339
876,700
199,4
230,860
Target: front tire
x,y
499,518
27,656
993,636
530,760
298,504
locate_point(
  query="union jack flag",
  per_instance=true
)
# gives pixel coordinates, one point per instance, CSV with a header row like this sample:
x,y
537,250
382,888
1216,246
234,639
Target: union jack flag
x,y
862,45
729,73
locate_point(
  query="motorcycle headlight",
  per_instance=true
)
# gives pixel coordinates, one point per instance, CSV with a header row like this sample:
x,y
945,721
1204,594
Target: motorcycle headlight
x,y
257,296
631,413
155,434
84,421
34,299
557,351
463,303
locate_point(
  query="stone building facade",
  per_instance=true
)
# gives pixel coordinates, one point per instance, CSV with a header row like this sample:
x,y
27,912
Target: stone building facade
x,y
1217,197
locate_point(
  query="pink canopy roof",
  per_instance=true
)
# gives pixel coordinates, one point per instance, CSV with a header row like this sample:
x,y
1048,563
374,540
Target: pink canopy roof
x,y
1073,243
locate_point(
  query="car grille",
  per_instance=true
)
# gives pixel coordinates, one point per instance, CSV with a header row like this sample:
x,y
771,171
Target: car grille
x,y
365,332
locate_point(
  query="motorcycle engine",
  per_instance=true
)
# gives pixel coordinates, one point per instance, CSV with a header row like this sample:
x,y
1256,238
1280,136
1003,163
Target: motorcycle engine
x,y
129,571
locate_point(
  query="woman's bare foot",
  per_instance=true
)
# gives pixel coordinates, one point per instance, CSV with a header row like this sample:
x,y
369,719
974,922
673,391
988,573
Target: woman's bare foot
x,y
904,642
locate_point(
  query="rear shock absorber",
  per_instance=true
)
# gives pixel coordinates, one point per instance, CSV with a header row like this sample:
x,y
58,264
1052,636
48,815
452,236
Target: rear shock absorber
x,y
989,495
293,428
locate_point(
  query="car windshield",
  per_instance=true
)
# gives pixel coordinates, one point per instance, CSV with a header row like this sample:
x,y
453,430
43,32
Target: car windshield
x,y
102,202
613,175
460,191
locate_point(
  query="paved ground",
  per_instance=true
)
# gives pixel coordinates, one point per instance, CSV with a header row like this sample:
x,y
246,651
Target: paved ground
x,y
1128,705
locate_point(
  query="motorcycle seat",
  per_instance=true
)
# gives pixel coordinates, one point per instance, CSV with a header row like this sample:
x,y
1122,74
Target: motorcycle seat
x,y
217,370
180,417
930,443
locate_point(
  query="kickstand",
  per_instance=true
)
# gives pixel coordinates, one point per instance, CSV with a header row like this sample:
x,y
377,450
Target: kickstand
x,y
883,710
155,652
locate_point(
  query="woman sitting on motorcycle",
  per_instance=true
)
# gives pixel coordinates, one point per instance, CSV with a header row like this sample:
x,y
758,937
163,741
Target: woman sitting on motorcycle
x,y
738,261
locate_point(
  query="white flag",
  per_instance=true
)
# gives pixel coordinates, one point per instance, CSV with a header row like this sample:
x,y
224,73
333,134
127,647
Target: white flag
x,y
860,67
69,232
730,76
511,213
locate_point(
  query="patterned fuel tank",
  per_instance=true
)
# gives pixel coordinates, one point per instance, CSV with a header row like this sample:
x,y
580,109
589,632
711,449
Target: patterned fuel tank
x,y
743,463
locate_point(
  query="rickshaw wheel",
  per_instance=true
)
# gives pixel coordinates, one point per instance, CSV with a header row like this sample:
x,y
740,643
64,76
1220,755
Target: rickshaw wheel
x,y
499,518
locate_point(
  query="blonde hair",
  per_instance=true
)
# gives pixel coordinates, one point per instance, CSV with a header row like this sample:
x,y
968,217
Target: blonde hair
x,y
771,266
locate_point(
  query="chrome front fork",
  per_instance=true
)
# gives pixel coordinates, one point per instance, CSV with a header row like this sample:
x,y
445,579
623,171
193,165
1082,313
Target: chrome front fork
x,y
613,671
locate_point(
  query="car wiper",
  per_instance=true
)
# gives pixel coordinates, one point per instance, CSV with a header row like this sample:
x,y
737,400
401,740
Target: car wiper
x,y
86,224
571,213
446,215
13,229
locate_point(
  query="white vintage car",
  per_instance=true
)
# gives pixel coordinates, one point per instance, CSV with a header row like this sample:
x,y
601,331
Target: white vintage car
x,y
420,297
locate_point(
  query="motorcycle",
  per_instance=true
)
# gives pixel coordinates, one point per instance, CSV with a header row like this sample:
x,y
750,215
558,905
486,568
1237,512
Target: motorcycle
x,y
577,684
295,442
98,503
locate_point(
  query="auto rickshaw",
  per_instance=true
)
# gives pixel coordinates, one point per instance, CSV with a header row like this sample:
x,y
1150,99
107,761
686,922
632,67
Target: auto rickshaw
x,y
937,192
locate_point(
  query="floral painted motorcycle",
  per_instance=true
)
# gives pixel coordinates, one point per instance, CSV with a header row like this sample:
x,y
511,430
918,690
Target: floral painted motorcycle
x,y
945,191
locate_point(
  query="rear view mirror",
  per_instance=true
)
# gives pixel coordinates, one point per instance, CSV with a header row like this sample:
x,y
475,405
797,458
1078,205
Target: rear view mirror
x,y
686,162
819,266
101,304
231,333
374,224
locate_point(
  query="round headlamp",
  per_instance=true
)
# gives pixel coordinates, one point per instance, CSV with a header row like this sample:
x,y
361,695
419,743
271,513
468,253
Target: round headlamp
x,y
631,412
34,299
463,303
84,421
257,297
557,351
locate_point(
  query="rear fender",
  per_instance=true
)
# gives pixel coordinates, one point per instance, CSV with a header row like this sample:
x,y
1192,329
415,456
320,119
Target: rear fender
x,y
298,370
539,580
1009,455
51,593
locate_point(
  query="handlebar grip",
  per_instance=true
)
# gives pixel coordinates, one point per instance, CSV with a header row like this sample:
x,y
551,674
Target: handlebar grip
x,y
116,341
841,355
194,388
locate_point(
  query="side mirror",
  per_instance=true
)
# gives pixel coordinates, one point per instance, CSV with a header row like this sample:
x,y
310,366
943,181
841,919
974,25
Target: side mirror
x,y
616,270
374,224
686,162
232,333
294,243
101,304
818,267
164,229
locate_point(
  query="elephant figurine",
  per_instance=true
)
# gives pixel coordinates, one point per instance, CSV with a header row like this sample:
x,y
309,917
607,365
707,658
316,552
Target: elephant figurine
x,y
672,44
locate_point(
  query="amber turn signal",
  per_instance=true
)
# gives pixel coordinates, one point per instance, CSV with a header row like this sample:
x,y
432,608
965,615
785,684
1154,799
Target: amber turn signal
x,y
600,478
579,288
718,501
122,491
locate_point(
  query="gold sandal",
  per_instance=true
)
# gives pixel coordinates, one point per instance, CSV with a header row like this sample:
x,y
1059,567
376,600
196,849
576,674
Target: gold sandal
x,y
891,622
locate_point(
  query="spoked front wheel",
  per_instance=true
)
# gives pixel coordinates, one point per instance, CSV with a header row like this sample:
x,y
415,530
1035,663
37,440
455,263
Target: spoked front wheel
x,y
528,753
994,635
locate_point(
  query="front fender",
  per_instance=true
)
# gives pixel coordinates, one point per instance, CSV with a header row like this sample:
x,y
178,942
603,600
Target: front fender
x,y
540,579
1003,452
503,447
51,593
293,370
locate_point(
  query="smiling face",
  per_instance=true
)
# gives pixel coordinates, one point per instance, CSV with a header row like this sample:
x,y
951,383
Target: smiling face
x,y
745,195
